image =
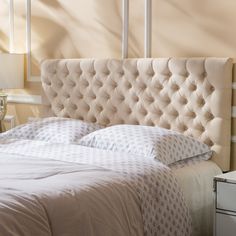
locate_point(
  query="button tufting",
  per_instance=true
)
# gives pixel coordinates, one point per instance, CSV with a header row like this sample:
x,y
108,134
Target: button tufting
x,y
192,87
175,87
92,73
80,96
192,114
175,113
135,122
128,85
150,73
143,86
212,89
150,123
80,118
114,109
135,98
72,83
86,83
128,111
166,125
66,95
187,74
122,98
74,107
86,107
209,142
159,86
99,108
182,127
114,85
209,116
144,112
201,102
151,99
66,74
200,127
121,121
136,73
106,121
106,73
121,73
60,106
93,119
167,100
78,74
99,83
107,96
93,96
183,100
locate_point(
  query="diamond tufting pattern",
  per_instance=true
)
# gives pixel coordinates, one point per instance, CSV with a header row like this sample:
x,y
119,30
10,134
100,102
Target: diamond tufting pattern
x,y
188,95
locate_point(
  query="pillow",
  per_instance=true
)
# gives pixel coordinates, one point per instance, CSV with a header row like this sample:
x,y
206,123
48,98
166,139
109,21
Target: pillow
x,y
53,130
164,145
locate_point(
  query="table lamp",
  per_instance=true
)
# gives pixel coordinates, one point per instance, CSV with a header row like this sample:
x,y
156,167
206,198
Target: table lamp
x,y
11,77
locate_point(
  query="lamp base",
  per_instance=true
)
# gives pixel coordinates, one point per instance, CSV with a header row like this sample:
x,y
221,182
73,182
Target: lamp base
x,y
2,126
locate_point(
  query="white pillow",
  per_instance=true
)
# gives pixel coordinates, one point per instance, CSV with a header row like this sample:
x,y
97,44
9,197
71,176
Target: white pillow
x,y
53,130
165,145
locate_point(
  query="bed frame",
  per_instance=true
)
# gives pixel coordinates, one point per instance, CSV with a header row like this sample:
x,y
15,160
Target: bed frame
x,y
189,95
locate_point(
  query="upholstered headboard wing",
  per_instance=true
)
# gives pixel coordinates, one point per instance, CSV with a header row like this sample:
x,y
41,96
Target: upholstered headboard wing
x,y
190,95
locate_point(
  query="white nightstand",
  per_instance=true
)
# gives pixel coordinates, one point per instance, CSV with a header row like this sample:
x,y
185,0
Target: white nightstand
x,y
225,204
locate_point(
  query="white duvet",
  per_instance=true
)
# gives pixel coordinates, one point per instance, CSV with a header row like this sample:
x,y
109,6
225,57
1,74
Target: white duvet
x,y
51,189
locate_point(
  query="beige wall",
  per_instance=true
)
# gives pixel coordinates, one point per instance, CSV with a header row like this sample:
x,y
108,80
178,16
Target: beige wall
x,y
92,28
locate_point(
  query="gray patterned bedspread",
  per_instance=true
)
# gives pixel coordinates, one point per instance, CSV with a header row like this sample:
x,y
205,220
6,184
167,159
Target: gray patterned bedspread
x,y
51,189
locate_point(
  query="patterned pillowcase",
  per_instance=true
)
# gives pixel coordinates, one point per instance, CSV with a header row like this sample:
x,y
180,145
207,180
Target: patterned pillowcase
x,y
53,130
164,145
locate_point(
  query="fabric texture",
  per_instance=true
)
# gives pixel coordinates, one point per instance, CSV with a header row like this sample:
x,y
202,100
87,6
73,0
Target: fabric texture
x,y
35,190
189,95
151,142
53,129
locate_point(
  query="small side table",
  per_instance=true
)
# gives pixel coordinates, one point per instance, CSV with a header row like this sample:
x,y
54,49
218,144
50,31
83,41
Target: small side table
x,y
225,204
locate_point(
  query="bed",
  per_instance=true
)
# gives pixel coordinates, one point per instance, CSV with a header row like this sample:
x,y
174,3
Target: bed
x,y
191,96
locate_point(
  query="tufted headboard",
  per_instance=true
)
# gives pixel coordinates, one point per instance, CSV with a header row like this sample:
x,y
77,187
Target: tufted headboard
x,y
190,95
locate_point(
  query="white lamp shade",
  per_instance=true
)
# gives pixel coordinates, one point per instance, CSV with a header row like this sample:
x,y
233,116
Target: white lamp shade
x,y
11,71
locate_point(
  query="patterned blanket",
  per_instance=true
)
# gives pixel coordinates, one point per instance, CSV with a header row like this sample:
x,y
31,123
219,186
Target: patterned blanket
x,y
114,193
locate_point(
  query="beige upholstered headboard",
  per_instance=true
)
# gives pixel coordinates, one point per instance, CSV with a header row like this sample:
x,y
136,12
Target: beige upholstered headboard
x,y
190,95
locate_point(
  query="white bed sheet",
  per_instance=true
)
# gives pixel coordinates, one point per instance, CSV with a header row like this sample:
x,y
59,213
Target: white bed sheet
x,y
196,181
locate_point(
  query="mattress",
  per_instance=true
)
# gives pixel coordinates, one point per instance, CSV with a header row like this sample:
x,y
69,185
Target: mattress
x,y
196,181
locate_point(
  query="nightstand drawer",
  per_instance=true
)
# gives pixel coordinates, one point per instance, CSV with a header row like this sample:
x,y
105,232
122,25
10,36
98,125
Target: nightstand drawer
x,y
226,196
225,225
